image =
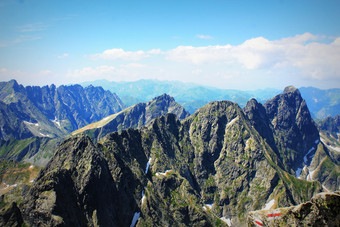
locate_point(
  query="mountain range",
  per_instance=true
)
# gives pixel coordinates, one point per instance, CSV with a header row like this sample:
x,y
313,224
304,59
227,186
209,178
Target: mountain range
x,y
50,111
160,167
321,103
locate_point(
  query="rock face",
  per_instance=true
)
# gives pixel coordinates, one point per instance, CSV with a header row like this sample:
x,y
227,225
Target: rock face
x,y
135,116
11,216
292,126
210,169
50,111
322,210
75,189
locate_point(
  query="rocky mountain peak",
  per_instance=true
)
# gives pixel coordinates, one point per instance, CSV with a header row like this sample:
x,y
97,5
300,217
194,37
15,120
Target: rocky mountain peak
x,y
292,125
291,89
164,97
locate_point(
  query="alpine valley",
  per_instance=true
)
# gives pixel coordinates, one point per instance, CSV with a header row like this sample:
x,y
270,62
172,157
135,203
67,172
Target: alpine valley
x,y
75,156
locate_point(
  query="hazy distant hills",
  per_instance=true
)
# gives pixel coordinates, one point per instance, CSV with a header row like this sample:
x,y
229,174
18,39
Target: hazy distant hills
x,y
321,103
190,96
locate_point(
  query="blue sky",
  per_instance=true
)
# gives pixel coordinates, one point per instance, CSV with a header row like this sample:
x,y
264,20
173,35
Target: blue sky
x,y
228,44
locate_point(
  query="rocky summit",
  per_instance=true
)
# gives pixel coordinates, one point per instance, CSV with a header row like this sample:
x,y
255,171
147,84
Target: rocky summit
x,y
134,117
211,169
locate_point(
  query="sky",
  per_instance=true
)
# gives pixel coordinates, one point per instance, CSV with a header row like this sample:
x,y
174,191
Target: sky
x,y
244,44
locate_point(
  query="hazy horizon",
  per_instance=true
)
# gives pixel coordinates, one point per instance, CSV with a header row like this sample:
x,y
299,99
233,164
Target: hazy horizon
x,y
246,45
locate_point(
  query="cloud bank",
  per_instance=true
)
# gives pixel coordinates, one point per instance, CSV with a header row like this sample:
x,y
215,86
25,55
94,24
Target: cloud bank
x,y
312,56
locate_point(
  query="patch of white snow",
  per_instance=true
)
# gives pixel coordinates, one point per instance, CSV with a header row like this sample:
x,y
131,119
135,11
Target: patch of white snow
x,y
232,121
305,159
135,219
30,123
147,166
298,172
334,148
167,171
269,204
310,175
55,121
227,220
143,197
44,135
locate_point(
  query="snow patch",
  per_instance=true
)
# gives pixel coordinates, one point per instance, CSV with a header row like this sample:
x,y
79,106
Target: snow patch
x,y
232,121
298,172
143,197
334,148
44,135
147,166
209,206
227,220
55,121
167,171
269,204
310,175
305,159
31,166
30,123
135,219
7,186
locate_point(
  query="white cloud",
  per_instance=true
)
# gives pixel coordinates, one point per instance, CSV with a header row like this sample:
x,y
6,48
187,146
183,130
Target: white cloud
x,y
99,71
200,55
305,52
114,54
45,72
65,55
204,37
155,51
196,71
134,65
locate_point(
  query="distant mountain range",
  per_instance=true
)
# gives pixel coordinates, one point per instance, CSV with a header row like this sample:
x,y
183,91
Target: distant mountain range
x,y
51,111
321,103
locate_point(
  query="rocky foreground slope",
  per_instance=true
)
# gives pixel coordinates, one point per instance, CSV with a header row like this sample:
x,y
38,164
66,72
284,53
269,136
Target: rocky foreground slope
x,y
210,169
322,210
